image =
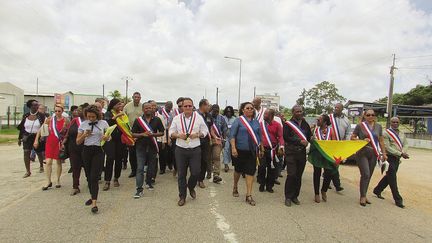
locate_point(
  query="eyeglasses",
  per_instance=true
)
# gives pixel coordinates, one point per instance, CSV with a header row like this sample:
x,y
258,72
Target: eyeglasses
x,y
58,111
249,108
370,115
187,106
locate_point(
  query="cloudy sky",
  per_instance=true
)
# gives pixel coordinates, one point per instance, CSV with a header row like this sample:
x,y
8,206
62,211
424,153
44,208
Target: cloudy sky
x,y
176,48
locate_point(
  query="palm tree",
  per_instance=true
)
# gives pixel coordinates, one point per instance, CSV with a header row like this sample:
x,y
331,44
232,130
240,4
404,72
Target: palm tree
x,y
115,94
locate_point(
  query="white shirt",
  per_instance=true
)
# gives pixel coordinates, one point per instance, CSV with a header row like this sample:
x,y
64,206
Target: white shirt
x,y
163,138
259,114
199,127
32,126
278,120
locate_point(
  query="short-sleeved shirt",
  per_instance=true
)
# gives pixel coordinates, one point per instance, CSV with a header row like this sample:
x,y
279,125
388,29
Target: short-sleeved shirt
x,y
155,124
242,137
361,133
97,133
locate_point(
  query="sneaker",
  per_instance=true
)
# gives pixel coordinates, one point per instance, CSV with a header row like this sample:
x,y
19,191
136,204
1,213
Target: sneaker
x,y
138,194
226,169
217,179
150,187
41,169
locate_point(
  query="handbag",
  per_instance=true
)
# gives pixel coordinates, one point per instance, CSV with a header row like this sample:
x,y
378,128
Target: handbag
x,y
44,130
64,153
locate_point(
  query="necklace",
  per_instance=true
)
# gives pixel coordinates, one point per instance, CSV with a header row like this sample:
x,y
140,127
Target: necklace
x,y
32,114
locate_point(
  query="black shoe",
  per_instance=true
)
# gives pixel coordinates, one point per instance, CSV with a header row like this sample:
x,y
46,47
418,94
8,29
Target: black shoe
x,y
217,179
339,189
94,209
270,190
192,193
363,204
288,202
243,175
276,182
46,187
124,166
261,188
88,202
70,170
400,205
280,175
296,201
161,172
153,181
378,195
131,175
330,187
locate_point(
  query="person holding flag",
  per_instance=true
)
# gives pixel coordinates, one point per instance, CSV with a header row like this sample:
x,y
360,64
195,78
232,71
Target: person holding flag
x,y
245,138
396,145
273,143
219,131
370,131
187,128
341,127
146,129
297,134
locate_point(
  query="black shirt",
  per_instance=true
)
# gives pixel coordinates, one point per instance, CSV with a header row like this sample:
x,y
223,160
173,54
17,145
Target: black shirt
x,y
155,124
208,119
291,138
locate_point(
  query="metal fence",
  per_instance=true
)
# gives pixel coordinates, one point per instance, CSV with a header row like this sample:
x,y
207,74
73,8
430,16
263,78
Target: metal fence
x,y
422,136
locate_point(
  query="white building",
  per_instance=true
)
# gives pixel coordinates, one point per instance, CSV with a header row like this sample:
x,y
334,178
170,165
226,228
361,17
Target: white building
x,y
270,101
11,98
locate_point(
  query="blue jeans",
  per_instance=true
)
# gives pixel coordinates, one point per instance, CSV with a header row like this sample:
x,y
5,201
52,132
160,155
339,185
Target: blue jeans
x,y
145,155
227,153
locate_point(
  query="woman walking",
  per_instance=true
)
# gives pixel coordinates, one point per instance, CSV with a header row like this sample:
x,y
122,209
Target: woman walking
x,y
245,138
370,131
90,133
229,117
28,129
57,126
75,150
115,149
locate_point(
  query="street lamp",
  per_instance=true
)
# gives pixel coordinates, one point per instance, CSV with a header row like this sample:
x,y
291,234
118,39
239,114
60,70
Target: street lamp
x,y
240,60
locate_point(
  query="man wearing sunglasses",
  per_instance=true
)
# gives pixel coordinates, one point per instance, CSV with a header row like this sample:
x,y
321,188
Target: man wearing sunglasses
x,y
396,146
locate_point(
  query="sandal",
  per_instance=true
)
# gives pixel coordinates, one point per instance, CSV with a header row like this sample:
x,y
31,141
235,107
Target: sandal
x,y
235,192
27,174
250,200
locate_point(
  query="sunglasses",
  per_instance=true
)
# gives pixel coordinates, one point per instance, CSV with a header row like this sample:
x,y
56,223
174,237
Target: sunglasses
x,y
57,111
370,115
249,108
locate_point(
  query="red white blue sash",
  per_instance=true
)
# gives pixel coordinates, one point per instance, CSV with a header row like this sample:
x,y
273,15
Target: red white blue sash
x,y
267,138
78,121
54,127
373,139
260,114
187,130
296,129
395,138
165,113
249,129
216,130
147,128
320,136
335,126
176,111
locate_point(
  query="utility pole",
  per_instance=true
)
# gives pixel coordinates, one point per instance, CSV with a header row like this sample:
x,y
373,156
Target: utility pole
x,y
37,86
254,91
217,96
390,95
127,85
103,90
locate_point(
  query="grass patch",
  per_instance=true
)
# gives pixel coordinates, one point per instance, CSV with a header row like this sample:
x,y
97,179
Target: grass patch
x,y
9,131
7,140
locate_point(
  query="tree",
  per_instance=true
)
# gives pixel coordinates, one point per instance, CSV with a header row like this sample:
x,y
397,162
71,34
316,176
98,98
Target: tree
x,y
420,95
302,97
115,94
322,97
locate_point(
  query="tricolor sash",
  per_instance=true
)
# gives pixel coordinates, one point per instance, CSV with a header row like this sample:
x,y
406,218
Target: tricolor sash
x,y
147,128
216,130
267,138
320,136
78,121
260,114
249,129
373,139
335,126
176,111
395,138
187,129
165,114
296,129
54,127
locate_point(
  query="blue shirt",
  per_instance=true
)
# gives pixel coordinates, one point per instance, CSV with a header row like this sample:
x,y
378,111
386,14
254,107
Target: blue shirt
x,y
241,135
221,125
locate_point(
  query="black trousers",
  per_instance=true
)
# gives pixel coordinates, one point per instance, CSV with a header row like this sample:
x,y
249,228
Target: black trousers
x,y
336,179
75,157
295,163
328,176
133,159
93,159
115,151
390,179
187,158
267,174
165,158
205,158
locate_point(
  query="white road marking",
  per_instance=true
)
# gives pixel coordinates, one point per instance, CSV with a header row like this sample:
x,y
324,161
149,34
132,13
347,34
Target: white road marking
x,y
221,222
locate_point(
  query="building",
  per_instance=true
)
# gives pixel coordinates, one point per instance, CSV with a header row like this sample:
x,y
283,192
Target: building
x,y
11,99
67,99
270,101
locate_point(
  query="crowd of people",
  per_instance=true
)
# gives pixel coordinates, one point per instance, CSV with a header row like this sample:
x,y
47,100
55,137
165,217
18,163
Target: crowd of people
x,y
257,142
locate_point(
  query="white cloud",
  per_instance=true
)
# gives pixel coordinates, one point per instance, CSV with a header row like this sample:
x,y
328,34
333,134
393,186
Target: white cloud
x,y
173,48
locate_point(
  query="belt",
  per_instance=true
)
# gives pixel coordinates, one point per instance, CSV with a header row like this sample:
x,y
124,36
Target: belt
x,y
189,149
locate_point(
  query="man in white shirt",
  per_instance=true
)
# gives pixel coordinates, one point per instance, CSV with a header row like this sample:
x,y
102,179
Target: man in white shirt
x,y
259,110
187,129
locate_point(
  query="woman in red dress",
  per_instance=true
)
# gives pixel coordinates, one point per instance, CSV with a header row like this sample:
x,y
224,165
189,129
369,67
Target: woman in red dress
x,y
57,129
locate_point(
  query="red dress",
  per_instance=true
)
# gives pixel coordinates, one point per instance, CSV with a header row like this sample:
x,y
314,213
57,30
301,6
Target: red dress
x,y
52,146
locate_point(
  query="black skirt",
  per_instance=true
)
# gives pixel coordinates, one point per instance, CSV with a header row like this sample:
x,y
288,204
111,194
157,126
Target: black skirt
x,y
245,162
28,143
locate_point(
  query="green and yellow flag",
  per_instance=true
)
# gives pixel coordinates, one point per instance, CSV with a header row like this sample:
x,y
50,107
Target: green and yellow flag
x,y
330,153
124,127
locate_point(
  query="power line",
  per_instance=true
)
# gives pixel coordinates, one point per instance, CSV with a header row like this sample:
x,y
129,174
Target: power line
x,y
421,56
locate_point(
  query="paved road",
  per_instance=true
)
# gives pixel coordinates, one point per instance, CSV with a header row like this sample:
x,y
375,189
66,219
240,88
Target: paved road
x,y
29,214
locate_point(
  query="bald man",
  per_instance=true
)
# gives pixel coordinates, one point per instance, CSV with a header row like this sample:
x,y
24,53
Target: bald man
x,y
259,111
396,146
